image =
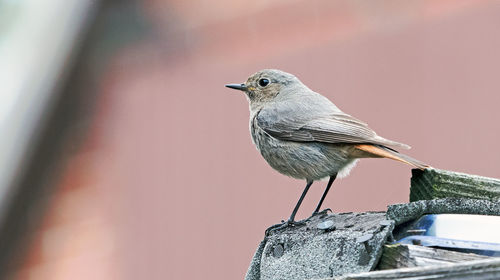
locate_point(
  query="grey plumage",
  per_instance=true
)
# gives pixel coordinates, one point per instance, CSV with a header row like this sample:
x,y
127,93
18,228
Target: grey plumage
x,y
302,134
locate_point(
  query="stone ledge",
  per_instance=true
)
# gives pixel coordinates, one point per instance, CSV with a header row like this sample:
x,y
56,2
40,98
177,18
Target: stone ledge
x,y
343,244
352,243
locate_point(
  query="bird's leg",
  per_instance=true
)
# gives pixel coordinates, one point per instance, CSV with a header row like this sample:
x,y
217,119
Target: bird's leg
x,y
291,220
330,182
297,206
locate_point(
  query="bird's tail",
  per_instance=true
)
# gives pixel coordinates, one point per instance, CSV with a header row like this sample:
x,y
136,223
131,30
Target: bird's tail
x,y
381,151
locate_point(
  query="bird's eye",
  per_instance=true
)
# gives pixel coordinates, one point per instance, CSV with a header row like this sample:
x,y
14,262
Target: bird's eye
x,y
263,82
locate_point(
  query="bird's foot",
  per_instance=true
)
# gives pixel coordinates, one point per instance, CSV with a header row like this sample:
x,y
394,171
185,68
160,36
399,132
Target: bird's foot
x,y
321,213
283,225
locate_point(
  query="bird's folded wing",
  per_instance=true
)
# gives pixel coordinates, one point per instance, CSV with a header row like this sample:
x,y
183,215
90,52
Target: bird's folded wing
x,y
333,127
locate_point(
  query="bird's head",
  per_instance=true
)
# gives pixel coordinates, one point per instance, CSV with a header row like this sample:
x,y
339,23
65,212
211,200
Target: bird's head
x,y
265,85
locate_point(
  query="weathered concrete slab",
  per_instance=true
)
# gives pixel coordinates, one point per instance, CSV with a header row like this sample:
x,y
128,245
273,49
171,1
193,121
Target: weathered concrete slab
x,y
435,183
326,246
401,213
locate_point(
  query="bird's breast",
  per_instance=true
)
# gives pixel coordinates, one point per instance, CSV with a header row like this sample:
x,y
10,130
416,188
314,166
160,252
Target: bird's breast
x,y
301,160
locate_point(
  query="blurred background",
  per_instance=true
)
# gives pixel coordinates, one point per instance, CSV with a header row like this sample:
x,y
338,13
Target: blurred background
x,y
124,157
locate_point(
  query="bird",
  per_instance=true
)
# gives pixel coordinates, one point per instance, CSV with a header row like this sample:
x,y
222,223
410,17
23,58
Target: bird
x,y
303,135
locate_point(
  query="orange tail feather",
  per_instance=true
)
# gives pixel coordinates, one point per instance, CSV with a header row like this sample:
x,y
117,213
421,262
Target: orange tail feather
x,y
381,151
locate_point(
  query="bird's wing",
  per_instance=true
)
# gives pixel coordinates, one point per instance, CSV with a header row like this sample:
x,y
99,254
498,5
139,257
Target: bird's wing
x,y
329,127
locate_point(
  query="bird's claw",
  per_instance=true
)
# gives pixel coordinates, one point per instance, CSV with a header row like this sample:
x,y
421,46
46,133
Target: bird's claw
x,y
323,212
283,225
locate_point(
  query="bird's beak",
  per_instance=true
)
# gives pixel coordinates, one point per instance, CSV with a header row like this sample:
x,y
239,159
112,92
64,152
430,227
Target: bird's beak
x,y
241,87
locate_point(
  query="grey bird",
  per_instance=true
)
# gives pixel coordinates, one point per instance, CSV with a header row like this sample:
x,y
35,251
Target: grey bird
x,y
302,134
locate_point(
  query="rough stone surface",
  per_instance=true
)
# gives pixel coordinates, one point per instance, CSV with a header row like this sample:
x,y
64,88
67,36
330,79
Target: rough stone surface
x,y
401,213
308,252
435,183
254,268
